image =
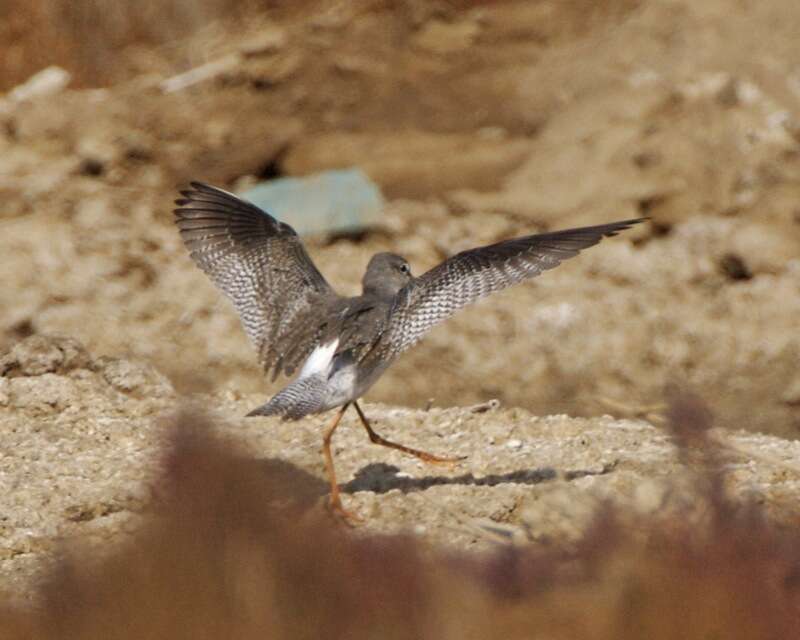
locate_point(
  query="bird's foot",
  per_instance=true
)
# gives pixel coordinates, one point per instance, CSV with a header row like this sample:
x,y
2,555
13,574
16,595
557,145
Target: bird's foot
x,y
446,462
337,509
417,453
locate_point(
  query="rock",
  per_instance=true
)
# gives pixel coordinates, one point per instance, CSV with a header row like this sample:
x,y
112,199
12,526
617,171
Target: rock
x,y
134,377
40,354
46,82
328,202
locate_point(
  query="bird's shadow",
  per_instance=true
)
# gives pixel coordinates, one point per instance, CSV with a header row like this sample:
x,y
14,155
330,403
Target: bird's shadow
x,y
382,477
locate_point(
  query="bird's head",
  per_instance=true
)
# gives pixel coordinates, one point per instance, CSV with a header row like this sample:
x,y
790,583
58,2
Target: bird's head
x,y
386,274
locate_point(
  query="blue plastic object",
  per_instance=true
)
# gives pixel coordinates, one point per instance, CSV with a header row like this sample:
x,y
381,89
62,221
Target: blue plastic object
x,y
342,200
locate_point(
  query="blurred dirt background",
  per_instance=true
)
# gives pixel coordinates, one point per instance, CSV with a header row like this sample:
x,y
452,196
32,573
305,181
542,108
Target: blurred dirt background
x,y
479,121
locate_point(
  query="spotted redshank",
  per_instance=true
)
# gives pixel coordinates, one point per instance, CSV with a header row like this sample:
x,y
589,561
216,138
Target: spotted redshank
x,y
294,317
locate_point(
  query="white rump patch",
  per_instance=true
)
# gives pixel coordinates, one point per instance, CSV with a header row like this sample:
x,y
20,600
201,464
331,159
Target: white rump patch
x,y
320,359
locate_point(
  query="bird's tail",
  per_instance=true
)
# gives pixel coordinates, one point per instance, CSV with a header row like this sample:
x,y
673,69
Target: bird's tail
x,y
301,398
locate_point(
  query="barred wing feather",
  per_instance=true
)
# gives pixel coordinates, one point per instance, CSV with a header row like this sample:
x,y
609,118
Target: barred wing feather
x,y
475,273
262,266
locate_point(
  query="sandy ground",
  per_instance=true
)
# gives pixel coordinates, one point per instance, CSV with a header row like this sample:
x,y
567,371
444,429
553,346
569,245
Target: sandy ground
x,y
478,124
86,438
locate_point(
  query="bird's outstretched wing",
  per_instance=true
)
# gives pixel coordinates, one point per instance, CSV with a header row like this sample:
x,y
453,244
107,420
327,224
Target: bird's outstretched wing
x,y
475,273
262,266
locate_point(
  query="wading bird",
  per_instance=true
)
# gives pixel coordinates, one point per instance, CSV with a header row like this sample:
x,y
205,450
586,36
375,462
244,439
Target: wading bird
x,y
343,345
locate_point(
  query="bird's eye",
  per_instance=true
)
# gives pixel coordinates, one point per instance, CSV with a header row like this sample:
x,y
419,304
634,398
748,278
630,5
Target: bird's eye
x,y
405,268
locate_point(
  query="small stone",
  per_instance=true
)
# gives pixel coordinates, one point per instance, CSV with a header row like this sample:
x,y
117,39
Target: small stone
x,y
32,357
48,81
483,407
514,444
75,355
127,376
41,354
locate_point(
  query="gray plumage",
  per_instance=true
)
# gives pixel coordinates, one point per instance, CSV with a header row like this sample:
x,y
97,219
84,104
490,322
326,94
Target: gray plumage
x,y
473,274
293,315
300,398
262,266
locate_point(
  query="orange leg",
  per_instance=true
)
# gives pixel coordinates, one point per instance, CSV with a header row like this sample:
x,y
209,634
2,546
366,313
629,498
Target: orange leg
x,y
335,500
422,455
